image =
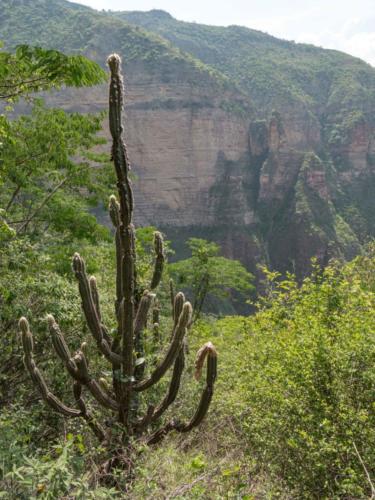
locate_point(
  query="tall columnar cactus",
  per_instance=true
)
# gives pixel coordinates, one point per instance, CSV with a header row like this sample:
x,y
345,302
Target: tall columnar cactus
x,y
133,307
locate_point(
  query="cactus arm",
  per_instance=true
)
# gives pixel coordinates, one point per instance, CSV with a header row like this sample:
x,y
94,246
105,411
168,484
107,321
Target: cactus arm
x,y
172,295
140,323
156,313
84,378
61,347
155,326
156,334
179,302
102,397
137,291
159,260
95,297
126,234
145,421
174,386
172,352
119,153
160,434
126,329
77,366
39,381
207,351
58,406
90,311
114,212
86,415
36,376
143,309
126,317
128,263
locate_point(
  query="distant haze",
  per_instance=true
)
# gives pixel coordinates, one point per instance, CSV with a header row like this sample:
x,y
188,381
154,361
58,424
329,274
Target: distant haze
x,y
345,25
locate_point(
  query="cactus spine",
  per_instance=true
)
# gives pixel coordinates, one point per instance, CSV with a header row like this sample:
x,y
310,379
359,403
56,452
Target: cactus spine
x,y
133,307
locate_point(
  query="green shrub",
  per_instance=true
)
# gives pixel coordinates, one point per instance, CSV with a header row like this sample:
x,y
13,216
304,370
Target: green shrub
x,y
300,379
57,474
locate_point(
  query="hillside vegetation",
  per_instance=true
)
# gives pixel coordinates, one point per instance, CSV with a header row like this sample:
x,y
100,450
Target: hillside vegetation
x,y
274,73
285,406
292,415
78,29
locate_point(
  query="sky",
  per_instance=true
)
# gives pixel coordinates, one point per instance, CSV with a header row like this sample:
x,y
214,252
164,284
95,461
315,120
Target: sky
x,y
347,25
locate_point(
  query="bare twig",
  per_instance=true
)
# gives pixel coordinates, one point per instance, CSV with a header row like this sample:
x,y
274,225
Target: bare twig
x,y
41,206
186,487
366,472
13,197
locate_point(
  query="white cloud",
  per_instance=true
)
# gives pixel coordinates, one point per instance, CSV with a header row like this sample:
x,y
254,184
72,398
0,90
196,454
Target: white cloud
x,y
361,45
355,37
351,34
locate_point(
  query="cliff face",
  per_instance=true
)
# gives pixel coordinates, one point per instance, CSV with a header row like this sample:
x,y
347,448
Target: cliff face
x,y
258,187
211,156
176,151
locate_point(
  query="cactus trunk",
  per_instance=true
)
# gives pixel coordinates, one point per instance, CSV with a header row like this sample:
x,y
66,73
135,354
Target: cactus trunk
x,y
124,350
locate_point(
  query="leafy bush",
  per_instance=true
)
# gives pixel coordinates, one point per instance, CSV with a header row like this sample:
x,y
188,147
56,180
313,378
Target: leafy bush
x,y
206,274
53,475
300,378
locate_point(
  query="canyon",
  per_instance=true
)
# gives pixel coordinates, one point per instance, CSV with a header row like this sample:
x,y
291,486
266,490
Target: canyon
x,y
263,145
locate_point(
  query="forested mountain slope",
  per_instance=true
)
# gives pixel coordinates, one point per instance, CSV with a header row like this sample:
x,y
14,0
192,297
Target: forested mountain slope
x,y
273,72
264,145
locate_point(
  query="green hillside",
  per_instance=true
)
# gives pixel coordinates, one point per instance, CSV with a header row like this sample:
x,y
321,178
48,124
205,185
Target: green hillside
x,y
78,29
274,73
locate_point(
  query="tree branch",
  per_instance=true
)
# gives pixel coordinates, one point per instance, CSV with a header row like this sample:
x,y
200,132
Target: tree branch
x,y
41,206
13,197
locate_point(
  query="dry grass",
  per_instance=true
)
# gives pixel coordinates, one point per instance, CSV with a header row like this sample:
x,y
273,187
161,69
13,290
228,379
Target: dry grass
x,y
208,464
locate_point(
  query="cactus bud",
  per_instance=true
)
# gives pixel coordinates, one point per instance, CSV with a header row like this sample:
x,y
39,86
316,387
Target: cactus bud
x,y
27,338
186,314
178,305
206,349
50,320
23,324
114,62
114,211
93,283
158,243
78,264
